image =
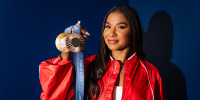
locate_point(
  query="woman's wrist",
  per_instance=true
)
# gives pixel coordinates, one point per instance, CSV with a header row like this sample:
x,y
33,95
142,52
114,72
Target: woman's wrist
x,y
65,55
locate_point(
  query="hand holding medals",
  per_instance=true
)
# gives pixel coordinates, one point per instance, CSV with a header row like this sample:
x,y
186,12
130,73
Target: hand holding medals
x,y
70,41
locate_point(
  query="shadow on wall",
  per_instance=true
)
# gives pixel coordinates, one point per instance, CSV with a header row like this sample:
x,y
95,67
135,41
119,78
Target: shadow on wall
x,y
158,41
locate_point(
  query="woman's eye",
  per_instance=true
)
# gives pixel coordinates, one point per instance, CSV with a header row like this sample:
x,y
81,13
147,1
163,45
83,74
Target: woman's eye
x,y
107,26
121,27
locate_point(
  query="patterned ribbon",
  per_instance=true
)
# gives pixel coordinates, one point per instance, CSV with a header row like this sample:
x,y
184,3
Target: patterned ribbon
x,y
79,67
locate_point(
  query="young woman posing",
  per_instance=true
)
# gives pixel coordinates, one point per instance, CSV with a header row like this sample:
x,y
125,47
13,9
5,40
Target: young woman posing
x,y
118,71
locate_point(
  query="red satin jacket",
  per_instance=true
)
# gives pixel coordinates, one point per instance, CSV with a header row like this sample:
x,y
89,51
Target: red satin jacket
x,y
142,81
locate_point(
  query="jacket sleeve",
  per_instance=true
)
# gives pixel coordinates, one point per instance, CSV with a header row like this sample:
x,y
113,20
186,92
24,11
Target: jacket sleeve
x,y
159,92
56,79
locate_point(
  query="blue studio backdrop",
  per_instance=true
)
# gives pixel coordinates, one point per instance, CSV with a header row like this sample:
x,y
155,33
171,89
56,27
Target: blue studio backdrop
x,y
171,43
28,30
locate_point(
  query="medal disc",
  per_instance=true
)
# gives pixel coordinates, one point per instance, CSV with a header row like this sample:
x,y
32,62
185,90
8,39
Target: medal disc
x,y
75,42
61,42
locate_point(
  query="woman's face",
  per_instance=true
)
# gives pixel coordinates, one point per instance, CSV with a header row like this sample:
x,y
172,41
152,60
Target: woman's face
x,y
117,32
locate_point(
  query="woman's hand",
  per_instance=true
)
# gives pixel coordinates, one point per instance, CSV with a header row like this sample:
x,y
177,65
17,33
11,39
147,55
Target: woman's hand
x,y
66,55
83,31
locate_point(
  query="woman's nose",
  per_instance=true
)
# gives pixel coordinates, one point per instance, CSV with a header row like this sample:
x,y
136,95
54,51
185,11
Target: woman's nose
x,y
112,33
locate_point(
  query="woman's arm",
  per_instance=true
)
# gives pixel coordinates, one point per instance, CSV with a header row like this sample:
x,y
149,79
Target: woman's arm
x,y
56,76
160,91
56,79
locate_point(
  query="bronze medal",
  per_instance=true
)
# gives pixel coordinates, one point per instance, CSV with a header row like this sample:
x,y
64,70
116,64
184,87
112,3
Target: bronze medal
x,y
75,42
66,42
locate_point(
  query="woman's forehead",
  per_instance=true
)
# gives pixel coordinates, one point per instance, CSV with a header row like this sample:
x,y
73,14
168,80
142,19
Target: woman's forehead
x,y
116,18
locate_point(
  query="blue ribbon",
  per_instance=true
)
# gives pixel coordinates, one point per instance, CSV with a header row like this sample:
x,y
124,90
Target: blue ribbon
x,y
79,67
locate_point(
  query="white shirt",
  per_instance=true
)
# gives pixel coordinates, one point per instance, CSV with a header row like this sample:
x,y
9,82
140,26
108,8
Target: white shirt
x,y
117,93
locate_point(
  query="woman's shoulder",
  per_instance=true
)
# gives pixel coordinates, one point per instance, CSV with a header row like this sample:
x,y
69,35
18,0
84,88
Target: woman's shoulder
x,y
151,68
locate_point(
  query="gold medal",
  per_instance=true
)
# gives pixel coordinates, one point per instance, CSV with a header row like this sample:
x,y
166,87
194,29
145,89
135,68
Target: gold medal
x,y
61,42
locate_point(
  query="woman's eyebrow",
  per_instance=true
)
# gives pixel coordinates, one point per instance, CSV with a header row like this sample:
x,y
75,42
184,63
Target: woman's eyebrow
x,y
121,23
107,23
118,23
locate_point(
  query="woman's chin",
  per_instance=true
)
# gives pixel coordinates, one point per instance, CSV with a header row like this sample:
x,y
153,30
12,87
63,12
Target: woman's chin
x,y
115,49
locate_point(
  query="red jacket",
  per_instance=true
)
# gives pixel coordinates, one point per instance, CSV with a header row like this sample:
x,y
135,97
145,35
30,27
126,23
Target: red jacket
x,y
142,81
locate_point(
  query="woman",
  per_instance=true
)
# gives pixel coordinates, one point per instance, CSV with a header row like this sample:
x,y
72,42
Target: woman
x,y
118,71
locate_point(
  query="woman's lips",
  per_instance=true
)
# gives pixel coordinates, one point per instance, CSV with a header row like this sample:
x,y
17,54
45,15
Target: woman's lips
x,y
112,41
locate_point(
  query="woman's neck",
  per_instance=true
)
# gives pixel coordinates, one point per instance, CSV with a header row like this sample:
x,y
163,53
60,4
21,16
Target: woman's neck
x,y
120,55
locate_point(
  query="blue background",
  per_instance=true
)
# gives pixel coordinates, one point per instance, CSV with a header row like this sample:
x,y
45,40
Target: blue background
x,y
28,30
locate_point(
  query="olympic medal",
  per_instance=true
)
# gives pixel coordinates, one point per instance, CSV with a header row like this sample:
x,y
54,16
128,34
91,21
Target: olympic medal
x,y
61,42
66,42
75,42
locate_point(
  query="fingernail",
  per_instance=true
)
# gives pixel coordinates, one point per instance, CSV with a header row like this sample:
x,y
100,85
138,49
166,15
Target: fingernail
x,y
86,33
79,21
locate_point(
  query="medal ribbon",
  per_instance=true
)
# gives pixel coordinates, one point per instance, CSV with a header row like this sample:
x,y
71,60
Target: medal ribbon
x,y
79,67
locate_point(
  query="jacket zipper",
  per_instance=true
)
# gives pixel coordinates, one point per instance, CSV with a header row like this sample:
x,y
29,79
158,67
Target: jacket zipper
x,y
123,80
109,80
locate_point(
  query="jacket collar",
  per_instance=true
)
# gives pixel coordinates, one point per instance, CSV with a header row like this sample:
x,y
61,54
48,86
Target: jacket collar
x,y
127,59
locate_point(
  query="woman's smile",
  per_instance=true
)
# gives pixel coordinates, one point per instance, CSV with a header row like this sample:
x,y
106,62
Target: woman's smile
x,y
112,42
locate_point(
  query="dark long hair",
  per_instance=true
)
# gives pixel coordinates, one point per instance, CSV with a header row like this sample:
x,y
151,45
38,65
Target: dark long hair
x,y
97,68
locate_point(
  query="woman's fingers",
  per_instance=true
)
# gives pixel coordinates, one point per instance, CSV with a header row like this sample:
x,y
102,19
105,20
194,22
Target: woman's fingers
x,y
78,23
84,37
84,31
